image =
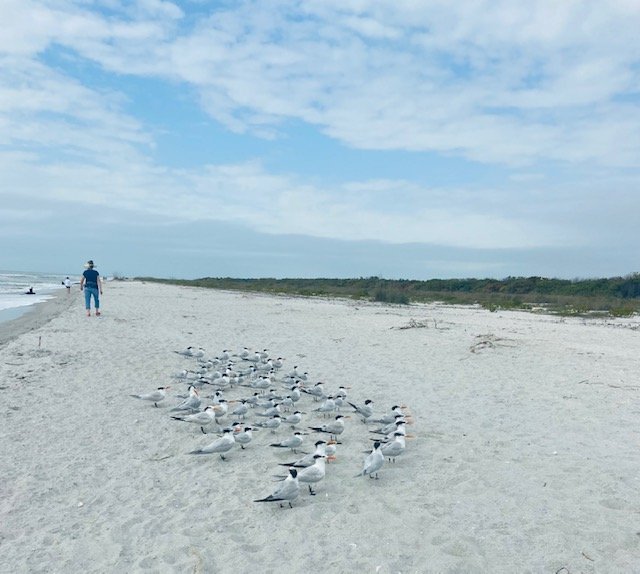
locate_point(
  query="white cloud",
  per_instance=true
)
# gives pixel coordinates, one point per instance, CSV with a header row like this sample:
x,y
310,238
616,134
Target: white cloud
x,y
389,211
498,82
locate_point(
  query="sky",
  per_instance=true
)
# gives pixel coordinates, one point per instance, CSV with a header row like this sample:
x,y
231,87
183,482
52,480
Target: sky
x,y
408,139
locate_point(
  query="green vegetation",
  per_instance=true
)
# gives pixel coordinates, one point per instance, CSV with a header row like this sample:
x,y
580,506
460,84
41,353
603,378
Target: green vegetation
x,y
617,296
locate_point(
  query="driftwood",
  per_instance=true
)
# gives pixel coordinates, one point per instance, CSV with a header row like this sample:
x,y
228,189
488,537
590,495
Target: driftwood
x,y
420,324
488,341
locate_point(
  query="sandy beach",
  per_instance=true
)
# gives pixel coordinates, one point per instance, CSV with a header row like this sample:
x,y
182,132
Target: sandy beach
x,y
524,456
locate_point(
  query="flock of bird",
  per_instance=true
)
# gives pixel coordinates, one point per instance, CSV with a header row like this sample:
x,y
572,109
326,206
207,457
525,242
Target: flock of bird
x,y
271,400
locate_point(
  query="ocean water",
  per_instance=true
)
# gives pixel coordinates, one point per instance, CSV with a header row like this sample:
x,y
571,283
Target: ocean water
x,y
14,284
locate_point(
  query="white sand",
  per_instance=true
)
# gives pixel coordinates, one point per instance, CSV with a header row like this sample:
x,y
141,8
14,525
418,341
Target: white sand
x,y
525,457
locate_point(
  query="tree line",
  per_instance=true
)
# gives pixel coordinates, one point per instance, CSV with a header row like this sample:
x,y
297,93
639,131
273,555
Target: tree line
x,y
615,295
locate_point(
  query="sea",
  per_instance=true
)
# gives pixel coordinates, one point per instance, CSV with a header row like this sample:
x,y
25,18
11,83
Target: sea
x,y
13,287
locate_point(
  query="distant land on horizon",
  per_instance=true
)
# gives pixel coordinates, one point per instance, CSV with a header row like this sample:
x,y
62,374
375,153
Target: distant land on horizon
x,y
616,295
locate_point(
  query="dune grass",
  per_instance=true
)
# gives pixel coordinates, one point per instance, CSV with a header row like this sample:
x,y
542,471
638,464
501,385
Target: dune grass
x,y
617,296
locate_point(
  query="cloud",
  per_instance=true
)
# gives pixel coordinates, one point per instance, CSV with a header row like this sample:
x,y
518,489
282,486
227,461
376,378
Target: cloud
x,y
491,81
545,93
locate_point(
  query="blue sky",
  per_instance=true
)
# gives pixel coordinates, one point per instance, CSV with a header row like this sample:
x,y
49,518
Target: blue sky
x,y
321,138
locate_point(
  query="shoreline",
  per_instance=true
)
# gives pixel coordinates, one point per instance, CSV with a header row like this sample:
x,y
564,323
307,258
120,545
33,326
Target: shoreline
x,y
32,317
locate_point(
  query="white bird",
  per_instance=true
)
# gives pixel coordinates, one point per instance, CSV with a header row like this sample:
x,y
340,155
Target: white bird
x,y
314,473
244,437
192,352
307,459
219,446
286,403
341,392
391,427
389,417
394,448
317,391
401,427
293,419
215,397
286,492
220,409
334,428
222,382
373,463
327,407
365,411
273,423
274,410
262,383
188,352
253,400
241,410
331,449
191,403
296,374
154,396
292,442
295,393
340,398
203,418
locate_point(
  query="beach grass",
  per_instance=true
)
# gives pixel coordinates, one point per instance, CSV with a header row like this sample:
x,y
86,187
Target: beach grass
x,y
616,297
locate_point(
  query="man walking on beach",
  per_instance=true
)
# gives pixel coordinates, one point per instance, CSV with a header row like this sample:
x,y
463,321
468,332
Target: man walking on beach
x,y
67,284
92,284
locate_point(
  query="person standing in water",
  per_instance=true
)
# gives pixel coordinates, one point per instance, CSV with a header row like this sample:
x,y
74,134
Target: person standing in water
x,y
91,283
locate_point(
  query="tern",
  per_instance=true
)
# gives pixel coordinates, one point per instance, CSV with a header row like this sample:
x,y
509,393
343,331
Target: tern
x,y
241,410
391,427
317,391
293,419
390,417
220,409
314,473
365,411
295,393
286,403
307,459
192,352
203,418
219,446
327,407
296,374
273,423
292,442
331,450
394,448
244,437
188,352
401,427
274,410
334,428
191,403
373,463
154,396
286,492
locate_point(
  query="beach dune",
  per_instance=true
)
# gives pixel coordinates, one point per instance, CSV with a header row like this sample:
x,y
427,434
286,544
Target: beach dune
x,y
523,454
